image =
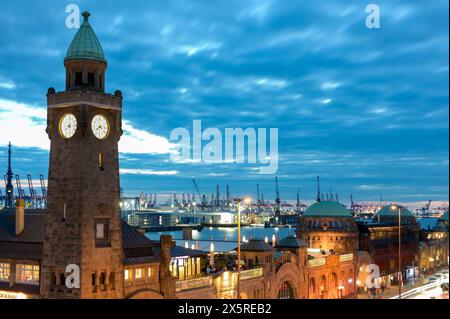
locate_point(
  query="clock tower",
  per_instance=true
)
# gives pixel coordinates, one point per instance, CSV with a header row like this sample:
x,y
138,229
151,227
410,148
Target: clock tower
x,y
83,226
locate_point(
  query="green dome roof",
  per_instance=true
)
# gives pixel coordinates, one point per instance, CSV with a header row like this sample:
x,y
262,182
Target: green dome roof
x,y
327,209
392,210
444,216
85,44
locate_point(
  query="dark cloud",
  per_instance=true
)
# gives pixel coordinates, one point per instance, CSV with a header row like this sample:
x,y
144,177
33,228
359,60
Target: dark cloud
x,y
365,109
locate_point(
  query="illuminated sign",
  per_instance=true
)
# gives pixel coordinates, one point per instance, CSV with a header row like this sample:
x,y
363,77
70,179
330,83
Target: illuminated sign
x,y
12,295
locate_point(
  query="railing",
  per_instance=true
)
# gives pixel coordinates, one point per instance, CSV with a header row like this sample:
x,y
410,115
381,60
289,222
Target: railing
x,y
346,257
193,283
317,262
251,273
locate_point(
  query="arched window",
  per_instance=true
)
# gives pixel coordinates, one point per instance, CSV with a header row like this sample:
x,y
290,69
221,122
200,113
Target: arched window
x,y
312,287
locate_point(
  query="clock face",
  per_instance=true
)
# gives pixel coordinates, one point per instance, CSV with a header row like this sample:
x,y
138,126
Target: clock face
x,y
68,125
100,127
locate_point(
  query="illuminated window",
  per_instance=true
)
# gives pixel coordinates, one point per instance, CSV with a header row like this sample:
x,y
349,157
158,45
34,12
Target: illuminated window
x,y
5,272
127,274
27,274
150,272
138,273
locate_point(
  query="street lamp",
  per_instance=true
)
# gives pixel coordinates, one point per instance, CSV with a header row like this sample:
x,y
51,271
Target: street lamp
x,y
238,200
400,277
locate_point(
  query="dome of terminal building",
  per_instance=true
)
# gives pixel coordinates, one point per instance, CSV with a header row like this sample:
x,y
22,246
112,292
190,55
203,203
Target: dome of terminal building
x,y
392,211
444,217
256,245
291,242
85,45
327,209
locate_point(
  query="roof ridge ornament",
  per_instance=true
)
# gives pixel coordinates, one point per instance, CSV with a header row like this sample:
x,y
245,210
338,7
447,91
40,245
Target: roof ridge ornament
x,y
86,15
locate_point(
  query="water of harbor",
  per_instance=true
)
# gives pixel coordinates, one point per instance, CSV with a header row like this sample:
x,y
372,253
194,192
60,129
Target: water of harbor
x,y
224,238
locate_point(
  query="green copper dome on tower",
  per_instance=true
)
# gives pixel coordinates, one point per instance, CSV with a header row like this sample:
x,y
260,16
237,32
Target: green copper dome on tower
x,y
85,44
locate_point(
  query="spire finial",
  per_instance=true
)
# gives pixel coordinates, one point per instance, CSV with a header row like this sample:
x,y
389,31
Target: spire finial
x,y
86,15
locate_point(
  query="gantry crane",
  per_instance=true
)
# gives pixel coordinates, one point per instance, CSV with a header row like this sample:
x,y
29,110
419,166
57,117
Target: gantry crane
x,y
277,198
43,187
33,194
20,191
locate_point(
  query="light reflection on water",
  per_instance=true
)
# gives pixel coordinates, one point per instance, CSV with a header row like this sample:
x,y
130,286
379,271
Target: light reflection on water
x,y
224,238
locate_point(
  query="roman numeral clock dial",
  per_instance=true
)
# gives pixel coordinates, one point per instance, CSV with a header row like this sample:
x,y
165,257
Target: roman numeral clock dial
x,y
100,127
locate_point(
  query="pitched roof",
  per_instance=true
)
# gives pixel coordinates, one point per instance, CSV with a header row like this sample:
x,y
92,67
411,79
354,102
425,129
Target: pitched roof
x,y
179,251
34,229
133,238
21,250
28,245
85,44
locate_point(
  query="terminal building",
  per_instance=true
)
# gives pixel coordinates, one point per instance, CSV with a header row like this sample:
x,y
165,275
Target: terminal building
x,y
81,235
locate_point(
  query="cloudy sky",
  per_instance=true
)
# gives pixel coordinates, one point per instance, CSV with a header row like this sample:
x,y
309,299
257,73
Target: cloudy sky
x,y
366,109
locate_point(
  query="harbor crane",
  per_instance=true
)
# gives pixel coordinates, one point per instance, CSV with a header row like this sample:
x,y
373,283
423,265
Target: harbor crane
x,y
20,191
277,198
33,193
196,188
228,196
318,190
427,208
43,187
258,199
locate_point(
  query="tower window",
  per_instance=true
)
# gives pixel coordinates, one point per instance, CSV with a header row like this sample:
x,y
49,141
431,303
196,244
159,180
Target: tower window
x,y
138,273
91,79
78,79
112,280
93,281
103,281
102,232
100,162
62,278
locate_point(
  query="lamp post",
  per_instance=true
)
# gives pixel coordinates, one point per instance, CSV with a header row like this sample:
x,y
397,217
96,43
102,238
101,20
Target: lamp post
x,y
238,202
247,200
400,277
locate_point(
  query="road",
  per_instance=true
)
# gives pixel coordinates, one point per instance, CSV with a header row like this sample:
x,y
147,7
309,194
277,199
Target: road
x,y
431,290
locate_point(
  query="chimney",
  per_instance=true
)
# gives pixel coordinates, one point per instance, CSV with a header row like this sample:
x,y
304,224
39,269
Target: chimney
x,y
166,279
20,216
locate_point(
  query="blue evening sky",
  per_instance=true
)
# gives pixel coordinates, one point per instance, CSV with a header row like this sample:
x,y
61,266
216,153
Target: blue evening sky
x,y
366,109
